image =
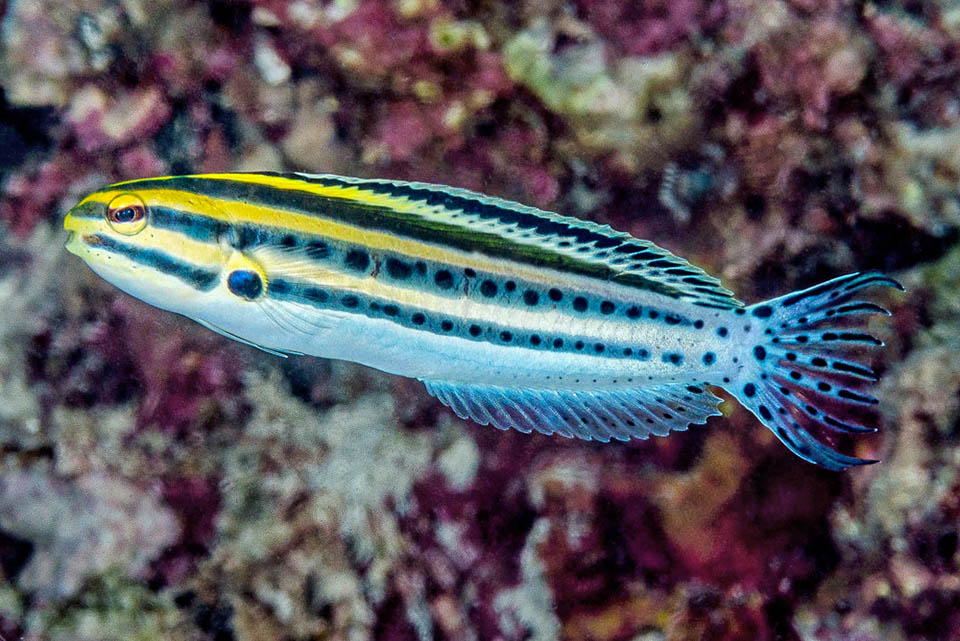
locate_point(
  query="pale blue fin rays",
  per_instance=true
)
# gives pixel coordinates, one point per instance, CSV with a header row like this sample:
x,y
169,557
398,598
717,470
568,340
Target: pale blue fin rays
x,y
590,415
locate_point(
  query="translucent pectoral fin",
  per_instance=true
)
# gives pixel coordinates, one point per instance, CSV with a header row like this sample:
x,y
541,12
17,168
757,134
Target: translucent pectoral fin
x,y
296,319
598,415
268,350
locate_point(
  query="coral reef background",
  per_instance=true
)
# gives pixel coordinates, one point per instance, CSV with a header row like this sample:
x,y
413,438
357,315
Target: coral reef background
x,y
160,482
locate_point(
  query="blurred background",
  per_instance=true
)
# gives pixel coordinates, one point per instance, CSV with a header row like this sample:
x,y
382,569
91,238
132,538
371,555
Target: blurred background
x,y
160,482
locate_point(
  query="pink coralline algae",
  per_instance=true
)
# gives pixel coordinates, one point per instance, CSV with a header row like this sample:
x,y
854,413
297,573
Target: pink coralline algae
x,y
86,362
29,195
100,121
812,66
187,387
645,28
196,504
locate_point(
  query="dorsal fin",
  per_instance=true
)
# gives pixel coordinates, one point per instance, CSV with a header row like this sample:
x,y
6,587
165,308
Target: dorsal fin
x,y
629,259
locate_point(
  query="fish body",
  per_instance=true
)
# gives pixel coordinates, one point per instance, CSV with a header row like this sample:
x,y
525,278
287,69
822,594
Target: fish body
x,y
510,315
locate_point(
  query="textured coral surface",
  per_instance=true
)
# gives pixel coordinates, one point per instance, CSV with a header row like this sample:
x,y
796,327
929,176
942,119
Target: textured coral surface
x,y
160,482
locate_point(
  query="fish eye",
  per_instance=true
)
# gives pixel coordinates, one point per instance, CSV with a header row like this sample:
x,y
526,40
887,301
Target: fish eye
x,y
127,214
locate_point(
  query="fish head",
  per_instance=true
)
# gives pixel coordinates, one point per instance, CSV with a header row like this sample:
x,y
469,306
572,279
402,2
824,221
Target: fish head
x,y
136,241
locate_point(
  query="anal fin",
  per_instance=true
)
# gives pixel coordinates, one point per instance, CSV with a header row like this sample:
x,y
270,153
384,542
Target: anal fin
x,y
598,415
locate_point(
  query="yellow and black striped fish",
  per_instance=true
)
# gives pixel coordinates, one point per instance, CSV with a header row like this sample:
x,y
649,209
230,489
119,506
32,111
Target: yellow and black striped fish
x,y
510,315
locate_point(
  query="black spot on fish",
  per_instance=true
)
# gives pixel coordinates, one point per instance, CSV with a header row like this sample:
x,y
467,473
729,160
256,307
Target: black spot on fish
x,y
391,310
443,279
764,311
555,295
765,413
633,312
698,324
418,319
475,330
469,273
818,362
357,260
488,288
759,352
598,348
749,390
535,339
823,387
506,337
531,297
558,343
446,326
672,319
673,357
398,269
709,358
580,304
606,307
510,285
578,345
722,332
653,313
350,301
791,356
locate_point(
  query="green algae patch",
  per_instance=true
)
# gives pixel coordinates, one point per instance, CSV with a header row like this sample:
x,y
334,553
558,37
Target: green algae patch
x,y
637,107
112,607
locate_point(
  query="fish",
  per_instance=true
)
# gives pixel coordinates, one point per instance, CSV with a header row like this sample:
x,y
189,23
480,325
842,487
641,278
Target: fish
x,y
510,315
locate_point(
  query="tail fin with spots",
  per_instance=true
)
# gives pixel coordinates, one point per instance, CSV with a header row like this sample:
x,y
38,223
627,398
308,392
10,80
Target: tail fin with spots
x,y
805,374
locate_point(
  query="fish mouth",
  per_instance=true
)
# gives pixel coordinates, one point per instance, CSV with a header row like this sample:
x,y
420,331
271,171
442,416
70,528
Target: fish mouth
x,y
80,244
73,243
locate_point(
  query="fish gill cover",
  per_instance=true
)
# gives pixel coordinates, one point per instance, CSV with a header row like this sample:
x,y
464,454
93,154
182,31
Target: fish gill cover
x,y
159,482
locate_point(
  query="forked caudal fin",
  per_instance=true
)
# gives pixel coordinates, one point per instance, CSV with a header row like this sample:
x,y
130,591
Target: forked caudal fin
x,y
806,374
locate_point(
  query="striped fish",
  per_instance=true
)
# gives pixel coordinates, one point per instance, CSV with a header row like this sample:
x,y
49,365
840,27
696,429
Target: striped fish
x,y
511,316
